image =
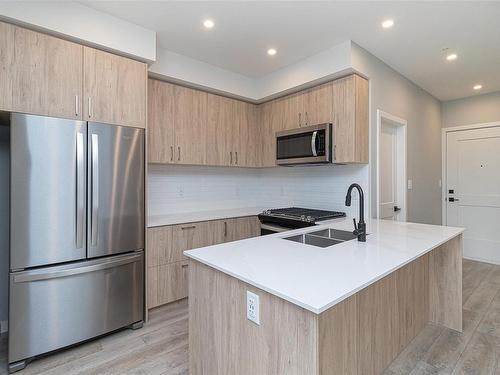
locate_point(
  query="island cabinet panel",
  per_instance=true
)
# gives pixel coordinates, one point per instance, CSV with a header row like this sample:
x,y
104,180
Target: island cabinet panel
x,y
445,278
167,265
338,338
114,89
350,119
222,341
43,74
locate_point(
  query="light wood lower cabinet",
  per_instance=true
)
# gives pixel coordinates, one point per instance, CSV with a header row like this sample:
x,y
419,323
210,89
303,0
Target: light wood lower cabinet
x,y
167,265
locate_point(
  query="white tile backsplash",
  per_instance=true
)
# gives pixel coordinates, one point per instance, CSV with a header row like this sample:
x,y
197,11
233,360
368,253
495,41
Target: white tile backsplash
x,y
182,189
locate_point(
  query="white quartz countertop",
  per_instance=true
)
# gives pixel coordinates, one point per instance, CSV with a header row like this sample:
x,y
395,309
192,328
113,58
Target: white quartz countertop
x,y
318,278
192,217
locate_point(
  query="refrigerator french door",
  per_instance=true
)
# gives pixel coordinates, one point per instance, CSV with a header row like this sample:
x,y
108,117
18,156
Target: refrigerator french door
x,y
77,233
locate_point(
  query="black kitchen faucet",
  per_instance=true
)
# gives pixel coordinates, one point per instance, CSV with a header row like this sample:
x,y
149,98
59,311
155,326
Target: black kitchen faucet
x,y
360,228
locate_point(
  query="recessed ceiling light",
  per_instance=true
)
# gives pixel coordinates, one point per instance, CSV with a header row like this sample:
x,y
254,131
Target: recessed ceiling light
x,y
478,87
271,52
208,24
388,24
451,57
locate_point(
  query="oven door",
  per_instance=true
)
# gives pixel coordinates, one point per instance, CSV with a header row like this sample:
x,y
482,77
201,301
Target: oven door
x,y
266,229
305,145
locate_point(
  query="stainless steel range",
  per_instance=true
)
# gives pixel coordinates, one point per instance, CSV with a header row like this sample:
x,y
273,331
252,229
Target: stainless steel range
x,y
283,219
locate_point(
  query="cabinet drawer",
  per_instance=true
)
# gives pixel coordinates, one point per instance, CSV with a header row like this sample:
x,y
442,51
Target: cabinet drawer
x,y
167,283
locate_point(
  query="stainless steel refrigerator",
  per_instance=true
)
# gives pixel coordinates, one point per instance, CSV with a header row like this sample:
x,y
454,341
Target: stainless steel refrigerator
x,y
77,233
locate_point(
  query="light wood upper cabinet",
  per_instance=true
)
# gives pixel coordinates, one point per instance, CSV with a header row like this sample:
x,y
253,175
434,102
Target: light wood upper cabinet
x,y
160,130
318,104
114,89
6,65
350,119
271,121
219,135
45,73
190,110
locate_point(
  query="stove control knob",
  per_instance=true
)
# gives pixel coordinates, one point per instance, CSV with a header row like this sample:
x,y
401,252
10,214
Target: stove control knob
x,y
303,217
309,219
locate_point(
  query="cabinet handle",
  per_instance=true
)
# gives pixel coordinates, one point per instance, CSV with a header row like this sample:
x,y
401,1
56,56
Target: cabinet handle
x,y
307,119
185,265
76,105
179,153
230,157
189,227
300,119
171,153
90,107
225,229
236,154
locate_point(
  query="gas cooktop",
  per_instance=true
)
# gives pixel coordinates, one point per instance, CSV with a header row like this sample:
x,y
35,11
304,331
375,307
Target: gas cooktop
x,y
297,217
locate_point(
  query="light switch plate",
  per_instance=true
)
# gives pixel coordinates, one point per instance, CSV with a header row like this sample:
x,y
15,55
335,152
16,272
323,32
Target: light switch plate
x,y
253,307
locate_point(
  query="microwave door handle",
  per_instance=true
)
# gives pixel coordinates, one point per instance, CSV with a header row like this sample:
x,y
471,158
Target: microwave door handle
x,y
313,143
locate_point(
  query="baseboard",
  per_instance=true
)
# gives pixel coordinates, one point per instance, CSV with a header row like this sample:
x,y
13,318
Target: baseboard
x,y
482,260
4,326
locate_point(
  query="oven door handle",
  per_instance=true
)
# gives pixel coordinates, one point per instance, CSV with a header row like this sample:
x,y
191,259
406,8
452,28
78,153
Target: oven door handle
x,y
274,228
313,143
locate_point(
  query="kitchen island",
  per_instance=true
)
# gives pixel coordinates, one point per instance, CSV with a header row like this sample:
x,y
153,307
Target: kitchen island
x,y
350,308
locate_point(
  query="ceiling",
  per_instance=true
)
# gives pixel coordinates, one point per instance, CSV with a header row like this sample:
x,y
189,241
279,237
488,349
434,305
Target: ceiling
x,y
298,29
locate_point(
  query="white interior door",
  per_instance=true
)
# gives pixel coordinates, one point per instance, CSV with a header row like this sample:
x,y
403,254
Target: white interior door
x,y
473,190
388,172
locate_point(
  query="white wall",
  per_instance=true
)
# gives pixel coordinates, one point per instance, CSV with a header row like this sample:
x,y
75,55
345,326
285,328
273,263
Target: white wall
x,y
4,224
472,110
83,24
183,189
395,94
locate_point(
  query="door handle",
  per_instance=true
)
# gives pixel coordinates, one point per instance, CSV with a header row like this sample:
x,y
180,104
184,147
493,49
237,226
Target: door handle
x,y
37,275
451,199
300,119
179,153
236,155
80,191
230,157
171,153
90,107
225,229
313,143
95,190
307,119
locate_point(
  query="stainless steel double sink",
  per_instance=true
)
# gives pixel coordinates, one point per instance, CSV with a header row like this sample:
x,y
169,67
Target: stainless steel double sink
x,y
323,238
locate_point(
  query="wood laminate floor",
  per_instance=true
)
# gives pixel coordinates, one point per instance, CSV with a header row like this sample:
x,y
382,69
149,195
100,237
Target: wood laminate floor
x,y
161,346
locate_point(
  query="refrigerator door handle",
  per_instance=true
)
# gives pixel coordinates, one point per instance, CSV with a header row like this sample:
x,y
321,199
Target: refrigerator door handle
x,y
80,190
37,275
95,190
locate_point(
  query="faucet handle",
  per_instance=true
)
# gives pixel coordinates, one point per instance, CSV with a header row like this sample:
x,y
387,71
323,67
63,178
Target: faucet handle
x,y
355,225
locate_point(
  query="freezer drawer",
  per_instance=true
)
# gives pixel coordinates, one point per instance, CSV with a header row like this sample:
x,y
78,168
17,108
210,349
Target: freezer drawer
x,y
57,306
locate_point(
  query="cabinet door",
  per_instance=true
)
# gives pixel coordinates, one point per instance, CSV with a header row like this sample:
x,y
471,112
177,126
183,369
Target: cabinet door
x,y
350,119
318,104
160,128
193,235
293,111
159,250
46,75
114,89
242,227
219,130
167,283
245,136
6,65
190,124
271,122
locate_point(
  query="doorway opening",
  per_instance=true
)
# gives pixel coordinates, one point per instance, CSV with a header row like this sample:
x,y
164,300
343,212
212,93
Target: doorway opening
x,y
391,167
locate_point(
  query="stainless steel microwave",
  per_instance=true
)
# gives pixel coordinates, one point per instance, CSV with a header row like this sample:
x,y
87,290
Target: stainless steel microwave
x,y
305,145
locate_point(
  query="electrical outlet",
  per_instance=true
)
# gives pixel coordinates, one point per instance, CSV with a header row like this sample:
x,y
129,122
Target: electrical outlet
x,y
253,308
410,184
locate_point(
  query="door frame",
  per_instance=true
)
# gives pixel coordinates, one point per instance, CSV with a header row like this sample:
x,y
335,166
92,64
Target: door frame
x,y
444,134
401,125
